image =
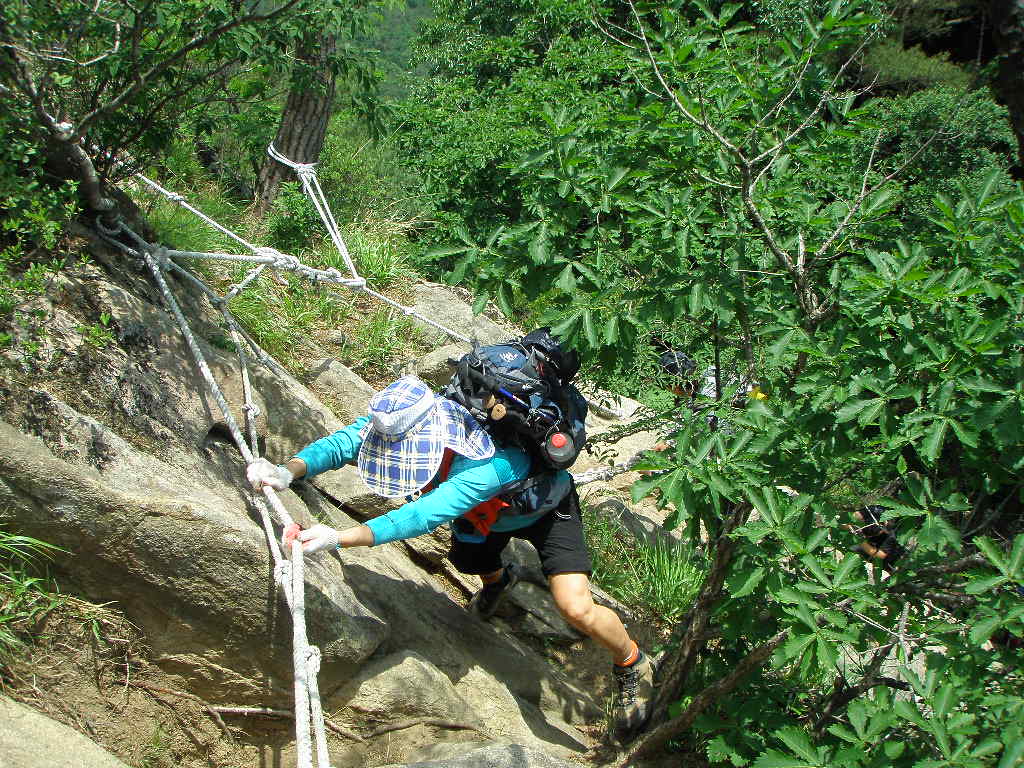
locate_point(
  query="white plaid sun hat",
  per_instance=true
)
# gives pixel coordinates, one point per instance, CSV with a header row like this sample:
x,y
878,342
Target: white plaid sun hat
x,y
408,431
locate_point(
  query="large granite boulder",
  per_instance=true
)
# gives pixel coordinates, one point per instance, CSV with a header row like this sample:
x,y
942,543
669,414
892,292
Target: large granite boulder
x,y
492,756
30,739
442,305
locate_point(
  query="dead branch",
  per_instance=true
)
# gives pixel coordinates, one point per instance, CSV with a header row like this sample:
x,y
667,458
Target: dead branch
x,y
284,713
210,709
657,739
437,723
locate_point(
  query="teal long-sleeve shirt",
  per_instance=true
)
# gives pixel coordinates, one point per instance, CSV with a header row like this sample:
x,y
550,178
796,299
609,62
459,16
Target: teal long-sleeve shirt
x,y
469,483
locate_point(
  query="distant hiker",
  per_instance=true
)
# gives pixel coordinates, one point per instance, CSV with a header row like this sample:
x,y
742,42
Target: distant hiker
x,y
680,368
880,541
415,442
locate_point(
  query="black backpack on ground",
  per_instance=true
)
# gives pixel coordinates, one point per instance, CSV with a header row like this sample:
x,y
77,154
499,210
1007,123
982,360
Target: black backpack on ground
x,y
521,391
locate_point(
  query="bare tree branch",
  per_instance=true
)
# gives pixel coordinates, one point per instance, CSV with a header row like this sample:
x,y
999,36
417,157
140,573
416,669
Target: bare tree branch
x,y
700,122
657,739
194,44
825,97
865,193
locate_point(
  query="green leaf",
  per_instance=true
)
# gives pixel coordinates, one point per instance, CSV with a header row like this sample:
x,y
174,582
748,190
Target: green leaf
x,y
1012,756
616,177
775,759
696,299
849,411
894,749
1016,557
565,328
932,445
982,630
611,330
777,350
566,280
878,200
992,552
942,701
445,251
849,564
590,329
798,741
503,299
719,483
987,185
984,586
749,579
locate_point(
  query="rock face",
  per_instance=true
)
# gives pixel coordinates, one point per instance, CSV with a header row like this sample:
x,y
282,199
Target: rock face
x,y
120,456
441,304
29,739
493,756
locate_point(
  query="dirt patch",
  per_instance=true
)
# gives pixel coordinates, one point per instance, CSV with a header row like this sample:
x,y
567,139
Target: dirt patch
x,y
89,668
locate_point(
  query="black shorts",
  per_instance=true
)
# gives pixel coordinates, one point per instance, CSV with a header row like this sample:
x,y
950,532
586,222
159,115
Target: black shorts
x,y
557,537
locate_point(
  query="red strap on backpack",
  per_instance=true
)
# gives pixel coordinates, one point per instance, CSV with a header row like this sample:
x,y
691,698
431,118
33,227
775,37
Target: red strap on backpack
x,y
483,515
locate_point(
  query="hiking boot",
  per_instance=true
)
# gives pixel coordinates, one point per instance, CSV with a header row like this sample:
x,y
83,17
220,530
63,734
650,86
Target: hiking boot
x,y
486,602
633,700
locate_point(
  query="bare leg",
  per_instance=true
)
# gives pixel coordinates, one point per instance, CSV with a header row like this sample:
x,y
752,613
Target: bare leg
x,y
572,596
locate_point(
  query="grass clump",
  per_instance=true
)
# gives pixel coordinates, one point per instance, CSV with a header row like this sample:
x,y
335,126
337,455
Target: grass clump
x,y
661,579
379,339
24,596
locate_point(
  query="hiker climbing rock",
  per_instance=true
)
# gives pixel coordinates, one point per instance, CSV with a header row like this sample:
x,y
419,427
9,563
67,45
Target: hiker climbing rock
x,y
433,451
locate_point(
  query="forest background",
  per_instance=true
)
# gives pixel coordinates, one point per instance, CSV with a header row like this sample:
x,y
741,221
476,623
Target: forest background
x,y
819,200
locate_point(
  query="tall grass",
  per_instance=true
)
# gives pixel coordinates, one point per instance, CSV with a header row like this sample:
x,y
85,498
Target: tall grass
x,y
379,340
662,579
24,596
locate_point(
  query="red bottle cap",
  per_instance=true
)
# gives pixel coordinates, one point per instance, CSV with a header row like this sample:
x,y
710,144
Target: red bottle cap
x,y
558,440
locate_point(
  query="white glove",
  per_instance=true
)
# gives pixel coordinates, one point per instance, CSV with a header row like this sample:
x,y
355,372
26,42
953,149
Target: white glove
x,y
261,472
318,538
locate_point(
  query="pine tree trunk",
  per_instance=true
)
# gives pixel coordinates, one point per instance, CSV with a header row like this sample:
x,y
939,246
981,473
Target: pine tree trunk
x,y
300,135
1008,22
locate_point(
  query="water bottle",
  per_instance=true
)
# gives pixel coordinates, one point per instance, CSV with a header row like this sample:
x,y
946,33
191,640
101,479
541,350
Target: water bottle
x,y
560,449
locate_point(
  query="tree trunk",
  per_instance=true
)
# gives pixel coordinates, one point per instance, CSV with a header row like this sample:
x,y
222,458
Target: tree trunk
x,y
1008,33
300,135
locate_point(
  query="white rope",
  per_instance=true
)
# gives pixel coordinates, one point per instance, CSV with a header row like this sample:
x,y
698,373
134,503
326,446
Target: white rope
x,y
289,574
311,186
174,197
273,258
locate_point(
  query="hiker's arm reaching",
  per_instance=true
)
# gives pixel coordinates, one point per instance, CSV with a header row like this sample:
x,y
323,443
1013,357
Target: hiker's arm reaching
x,y
321,537
463,490
331,452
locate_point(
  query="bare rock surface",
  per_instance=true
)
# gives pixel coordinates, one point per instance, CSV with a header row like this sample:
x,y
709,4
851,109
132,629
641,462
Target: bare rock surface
x,y
30,739
441,304
493,756
338,384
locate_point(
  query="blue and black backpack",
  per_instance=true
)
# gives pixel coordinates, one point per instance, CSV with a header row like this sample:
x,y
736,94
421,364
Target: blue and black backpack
x,y
521,391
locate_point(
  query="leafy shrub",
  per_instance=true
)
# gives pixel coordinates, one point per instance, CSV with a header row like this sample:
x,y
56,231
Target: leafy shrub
x,y
33,212
292,222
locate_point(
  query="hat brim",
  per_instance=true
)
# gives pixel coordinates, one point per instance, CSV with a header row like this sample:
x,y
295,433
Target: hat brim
x,y
395,468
